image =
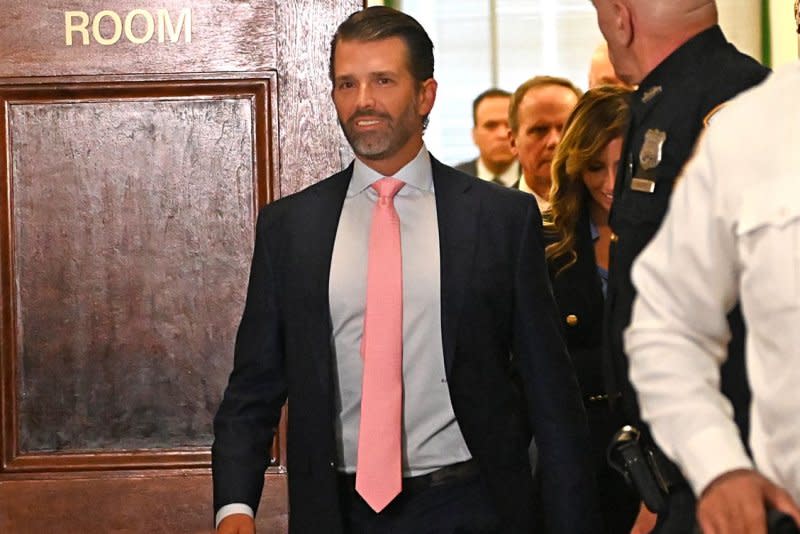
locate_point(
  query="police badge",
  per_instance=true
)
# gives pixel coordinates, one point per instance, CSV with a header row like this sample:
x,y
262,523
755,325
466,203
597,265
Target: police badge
x,y
650,155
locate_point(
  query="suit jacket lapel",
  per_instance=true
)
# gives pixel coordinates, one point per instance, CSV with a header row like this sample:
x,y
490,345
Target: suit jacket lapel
x,y
314,268
457,209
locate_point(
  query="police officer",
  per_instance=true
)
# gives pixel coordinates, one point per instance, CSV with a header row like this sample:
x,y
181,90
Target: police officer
x,y
685,70
742,203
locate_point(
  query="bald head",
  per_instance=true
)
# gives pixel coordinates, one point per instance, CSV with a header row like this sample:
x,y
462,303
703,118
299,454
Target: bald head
x,y
642,33
675,19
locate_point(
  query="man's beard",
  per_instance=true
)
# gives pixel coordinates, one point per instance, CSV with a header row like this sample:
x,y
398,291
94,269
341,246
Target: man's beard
x,y
378,145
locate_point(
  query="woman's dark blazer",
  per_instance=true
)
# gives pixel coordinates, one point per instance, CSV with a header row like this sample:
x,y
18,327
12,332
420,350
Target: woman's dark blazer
x,y
579,295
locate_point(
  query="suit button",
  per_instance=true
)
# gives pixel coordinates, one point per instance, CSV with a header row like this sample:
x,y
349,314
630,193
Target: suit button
x,y
572,319
614,237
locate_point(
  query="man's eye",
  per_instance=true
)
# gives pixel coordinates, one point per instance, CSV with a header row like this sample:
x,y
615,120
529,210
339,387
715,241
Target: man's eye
x,y
384,81
345,85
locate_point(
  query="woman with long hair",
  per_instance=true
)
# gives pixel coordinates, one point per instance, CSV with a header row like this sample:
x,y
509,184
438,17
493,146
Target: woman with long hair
x,y
584,170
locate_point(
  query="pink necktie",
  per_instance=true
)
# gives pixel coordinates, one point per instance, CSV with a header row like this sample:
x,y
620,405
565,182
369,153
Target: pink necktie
x,y
378,470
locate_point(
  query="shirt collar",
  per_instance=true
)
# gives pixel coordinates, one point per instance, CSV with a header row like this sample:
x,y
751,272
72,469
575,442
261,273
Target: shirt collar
x,y
523,186
416,173
483,172
678,67
593,230
542,203
508,178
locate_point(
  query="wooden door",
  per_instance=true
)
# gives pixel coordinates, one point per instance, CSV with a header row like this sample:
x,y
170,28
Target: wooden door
x,y
139,139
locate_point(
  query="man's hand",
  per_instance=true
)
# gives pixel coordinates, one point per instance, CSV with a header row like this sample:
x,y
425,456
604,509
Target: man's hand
x,y
237,524
736,502
645,521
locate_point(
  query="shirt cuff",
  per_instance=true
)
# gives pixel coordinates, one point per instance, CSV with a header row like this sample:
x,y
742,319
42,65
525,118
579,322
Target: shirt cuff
x,y
711,453
230,509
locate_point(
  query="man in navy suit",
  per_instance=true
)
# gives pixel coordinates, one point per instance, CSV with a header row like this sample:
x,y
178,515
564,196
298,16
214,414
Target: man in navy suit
x,y
495,162
483,364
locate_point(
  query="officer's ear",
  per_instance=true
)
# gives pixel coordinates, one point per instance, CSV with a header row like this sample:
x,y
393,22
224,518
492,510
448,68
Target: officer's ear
x,y
622,24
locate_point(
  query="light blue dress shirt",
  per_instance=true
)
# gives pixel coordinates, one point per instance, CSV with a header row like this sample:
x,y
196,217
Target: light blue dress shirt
x,y
431,437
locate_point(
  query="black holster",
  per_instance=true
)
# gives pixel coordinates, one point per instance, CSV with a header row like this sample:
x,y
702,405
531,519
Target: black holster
x,y
652,475
644,467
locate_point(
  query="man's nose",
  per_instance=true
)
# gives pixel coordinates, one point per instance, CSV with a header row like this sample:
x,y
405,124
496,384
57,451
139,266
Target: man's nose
x,y
553,137
501,134
366,97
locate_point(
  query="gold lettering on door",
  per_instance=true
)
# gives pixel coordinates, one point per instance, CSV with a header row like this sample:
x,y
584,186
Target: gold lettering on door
x,y
138,26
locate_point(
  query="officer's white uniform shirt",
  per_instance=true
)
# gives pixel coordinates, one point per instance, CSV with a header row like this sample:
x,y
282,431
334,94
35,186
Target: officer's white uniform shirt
x,y
732,232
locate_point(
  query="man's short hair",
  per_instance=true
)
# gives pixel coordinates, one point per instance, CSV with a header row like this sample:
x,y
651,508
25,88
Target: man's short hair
x,y
380,22
494,92
535,82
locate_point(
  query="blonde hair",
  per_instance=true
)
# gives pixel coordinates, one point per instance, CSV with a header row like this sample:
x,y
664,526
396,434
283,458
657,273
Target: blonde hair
x,y
599,117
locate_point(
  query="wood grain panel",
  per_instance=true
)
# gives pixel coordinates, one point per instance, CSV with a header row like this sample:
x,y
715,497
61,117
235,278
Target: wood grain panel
x,y
278,53
126,503
135,310
226,36
311,140
132,221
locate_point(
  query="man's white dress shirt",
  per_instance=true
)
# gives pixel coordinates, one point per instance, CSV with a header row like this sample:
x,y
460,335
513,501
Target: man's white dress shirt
x,y
543,203
508,178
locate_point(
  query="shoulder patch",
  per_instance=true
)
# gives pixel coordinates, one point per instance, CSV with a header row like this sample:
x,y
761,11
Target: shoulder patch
x,y
651,93
707,119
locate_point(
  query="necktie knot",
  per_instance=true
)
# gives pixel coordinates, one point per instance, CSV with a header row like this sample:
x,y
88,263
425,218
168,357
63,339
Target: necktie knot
x,y
388,187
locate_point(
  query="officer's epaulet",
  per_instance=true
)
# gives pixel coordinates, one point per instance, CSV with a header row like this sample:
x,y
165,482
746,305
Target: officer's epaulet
x,y
710,115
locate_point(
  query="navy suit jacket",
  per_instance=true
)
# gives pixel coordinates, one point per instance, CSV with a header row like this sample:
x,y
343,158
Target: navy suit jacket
x,y
507,368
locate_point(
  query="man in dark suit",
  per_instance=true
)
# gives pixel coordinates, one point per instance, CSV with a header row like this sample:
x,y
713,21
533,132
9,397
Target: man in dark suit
x,y
539,108
495,161
685,69
483,364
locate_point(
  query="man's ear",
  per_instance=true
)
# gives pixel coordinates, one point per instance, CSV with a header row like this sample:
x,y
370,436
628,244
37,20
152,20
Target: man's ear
x,y
427,96
512,140
623,23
